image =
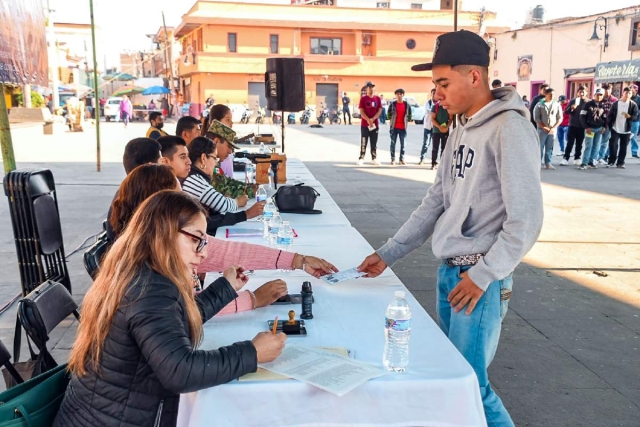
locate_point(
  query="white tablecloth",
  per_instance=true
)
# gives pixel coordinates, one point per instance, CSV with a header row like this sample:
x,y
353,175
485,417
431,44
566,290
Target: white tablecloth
x,y
439,388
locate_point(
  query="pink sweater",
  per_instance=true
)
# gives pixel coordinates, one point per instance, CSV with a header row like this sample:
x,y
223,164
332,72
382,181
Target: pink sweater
x,y
223,254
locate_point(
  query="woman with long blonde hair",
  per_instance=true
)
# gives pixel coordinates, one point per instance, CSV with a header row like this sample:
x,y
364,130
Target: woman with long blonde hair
x,y
141,324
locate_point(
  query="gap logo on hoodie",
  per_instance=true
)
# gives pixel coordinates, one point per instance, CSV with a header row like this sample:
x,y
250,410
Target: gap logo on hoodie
x,y
463,161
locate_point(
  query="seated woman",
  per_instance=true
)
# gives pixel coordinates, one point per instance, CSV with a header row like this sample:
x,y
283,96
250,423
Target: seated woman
x,y
203,153
136,348
148,179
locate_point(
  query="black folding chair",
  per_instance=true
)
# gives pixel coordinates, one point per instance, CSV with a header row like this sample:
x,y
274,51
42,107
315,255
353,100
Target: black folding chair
x,y
41,311
5,360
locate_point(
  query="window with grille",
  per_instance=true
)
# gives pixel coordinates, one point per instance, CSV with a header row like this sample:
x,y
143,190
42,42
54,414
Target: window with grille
x,y
273,43
416,6
634,39
232,42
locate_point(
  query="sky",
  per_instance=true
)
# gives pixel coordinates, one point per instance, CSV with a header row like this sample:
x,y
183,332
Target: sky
x,y
125,23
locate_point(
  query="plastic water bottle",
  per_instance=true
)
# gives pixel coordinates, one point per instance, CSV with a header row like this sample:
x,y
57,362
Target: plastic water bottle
x,y
274,228
397,331
261,194
285,237
270,178
262,149
268,213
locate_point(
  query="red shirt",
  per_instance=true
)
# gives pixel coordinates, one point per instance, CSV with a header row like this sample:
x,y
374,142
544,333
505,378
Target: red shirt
x,y
400,112
371,105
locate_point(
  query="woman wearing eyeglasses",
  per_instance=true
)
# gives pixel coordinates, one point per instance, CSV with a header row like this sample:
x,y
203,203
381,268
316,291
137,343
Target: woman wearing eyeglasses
x,y
136,348
146,180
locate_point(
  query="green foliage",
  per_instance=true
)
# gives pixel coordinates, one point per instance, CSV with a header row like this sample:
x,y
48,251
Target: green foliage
x,y
37,101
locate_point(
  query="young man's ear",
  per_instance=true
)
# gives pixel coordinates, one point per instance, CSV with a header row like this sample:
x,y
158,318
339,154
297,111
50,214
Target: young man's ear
x,y
164,161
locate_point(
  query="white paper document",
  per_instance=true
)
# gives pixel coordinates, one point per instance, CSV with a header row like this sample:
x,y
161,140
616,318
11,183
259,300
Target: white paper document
x,y
341,276
325,370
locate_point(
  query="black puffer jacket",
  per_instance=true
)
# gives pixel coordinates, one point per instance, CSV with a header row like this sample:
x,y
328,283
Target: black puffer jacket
x,y
148,360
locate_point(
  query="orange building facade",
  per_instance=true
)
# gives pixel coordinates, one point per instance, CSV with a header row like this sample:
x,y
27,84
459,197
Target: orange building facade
x,y
225,46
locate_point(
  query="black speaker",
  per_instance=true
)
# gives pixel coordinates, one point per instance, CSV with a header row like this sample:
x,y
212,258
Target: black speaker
x,y
284,84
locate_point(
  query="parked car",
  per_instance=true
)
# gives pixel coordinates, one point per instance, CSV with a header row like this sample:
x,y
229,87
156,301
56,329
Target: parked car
x,y
112,109
417,110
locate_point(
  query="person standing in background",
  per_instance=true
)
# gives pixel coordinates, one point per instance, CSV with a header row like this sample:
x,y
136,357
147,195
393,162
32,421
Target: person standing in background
x,y
428,127
526,101
152,106
548,116
346,101
370,109
441,120
635,123
603,149
535,101
564,125
575,134
222,113
621,116
399,115
594,122
384,104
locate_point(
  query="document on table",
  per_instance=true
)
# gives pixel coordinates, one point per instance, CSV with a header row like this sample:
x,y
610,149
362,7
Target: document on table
x,y
341,276
264,375
325,370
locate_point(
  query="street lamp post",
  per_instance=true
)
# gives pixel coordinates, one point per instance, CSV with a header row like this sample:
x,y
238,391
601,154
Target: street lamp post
x,y
595,38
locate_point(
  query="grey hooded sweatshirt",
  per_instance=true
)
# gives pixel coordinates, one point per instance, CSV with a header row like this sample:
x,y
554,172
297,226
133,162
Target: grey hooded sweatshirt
x,y
486,197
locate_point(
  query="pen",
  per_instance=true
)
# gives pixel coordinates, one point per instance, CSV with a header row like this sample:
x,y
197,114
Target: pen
x,y
275,325
294,232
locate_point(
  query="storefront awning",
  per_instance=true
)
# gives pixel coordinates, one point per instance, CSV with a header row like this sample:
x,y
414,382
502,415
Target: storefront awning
x,y
568,72
619,71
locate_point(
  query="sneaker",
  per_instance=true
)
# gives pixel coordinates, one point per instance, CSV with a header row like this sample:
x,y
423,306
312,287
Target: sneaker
x,y
582,168
602,162
564,162
402,162
375,162
360,162
620,167
560,154
420,163
635,156
577,161
433,167
393,162
592,167
550,167
609,166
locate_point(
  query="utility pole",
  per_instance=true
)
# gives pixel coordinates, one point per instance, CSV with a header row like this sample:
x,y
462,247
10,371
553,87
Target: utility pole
x,y
53,59
95,87
455,15
168,46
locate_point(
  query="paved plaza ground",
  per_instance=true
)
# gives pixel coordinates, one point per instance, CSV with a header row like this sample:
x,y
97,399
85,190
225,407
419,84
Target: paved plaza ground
x,y
570,348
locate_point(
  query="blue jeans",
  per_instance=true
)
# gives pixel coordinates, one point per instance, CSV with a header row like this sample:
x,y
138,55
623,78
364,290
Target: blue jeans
x,y
383,116
562,136
591,146
635,128
476,335
546,145
604,145
426,141
395,133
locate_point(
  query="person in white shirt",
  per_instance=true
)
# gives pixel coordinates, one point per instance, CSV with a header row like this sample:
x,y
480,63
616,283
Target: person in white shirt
x,y
428,126
622,113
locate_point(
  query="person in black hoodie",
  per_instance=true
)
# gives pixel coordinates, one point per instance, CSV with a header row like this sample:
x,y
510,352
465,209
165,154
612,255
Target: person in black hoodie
x,y
621,116
594,120
203,154
575,134
136,349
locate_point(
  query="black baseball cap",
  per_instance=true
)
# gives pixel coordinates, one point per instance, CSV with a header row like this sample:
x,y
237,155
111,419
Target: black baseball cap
x,y
457,48
369,84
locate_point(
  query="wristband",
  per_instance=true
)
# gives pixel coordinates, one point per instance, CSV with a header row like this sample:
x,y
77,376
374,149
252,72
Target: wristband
x,y
253,297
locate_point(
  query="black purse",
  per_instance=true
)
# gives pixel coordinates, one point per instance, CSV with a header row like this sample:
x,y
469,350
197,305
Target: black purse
x,y
298,199
93,256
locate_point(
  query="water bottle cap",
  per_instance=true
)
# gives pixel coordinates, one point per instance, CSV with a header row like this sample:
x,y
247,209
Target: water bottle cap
x,y
399,294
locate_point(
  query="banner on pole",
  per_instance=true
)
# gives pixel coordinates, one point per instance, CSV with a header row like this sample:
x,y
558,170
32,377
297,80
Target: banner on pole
x,y
23,44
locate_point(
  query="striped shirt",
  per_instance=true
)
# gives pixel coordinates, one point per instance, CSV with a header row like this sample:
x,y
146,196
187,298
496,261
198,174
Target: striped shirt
x,y
200,188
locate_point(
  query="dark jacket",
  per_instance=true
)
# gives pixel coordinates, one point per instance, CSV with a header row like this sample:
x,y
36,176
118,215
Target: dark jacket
x,y
592,115
392,113
148,361
215,219
532,107
613,114
575,114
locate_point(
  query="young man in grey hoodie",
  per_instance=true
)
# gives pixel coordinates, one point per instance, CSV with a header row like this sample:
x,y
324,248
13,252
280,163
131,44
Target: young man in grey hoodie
x,y
548,116
484,209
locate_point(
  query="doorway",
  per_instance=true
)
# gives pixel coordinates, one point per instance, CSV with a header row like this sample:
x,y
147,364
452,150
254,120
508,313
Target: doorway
x,y
327,95
535,88
256,97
